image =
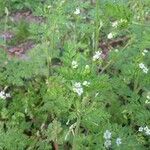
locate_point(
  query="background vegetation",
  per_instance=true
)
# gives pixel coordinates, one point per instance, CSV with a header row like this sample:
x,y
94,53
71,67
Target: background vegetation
x,y
81,81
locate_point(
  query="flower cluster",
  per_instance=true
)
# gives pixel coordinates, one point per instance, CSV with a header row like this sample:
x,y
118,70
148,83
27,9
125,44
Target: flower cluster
x,y
86,83
77,87
116,23
146,130
4,95
118,141
97,55
107,134
77,11
116,50
144,52
74,64
87,67
143,67
148,98
107,137
147,101
110,35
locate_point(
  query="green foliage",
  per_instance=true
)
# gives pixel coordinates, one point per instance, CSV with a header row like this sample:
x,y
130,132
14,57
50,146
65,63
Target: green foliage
x,y
63,95
22,33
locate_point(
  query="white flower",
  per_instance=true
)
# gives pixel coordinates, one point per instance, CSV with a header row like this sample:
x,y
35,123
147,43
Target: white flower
x,y
49,6
8,95
74,64
77,11
148,96
141,129
2,92
115,24
2,95
79,91
146,128
97,55
110,35
144,52
145,70
146,13
141,65
77,87
86,83
147,102
147,132
116,50
107,143
107,134
87,67
118,141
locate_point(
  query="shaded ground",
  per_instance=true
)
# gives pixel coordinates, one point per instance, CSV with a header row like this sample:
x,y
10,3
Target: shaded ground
x,y
106,46
27,16
20,48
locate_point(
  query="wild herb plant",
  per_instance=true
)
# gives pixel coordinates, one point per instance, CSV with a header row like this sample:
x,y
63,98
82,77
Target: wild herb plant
x,y
86,84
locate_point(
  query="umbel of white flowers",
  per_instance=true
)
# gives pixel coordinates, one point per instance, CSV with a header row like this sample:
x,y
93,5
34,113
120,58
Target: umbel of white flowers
x,y
110,35
77,11
86,83
107,137
144,52
74,64
97,55
77,87
4,95
143,67
146,130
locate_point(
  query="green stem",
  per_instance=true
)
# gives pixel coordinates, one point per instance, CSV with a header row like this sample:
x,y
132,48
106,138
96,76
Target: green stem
x,y
48,59
136,85
74,145
78,108
97,22
107,65
6,20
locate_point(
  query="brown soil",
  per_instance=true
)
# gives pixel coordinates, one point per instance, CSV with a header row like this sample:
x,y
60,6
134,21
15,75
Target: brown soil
x,y
27,16
20,49
106,46
8,35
